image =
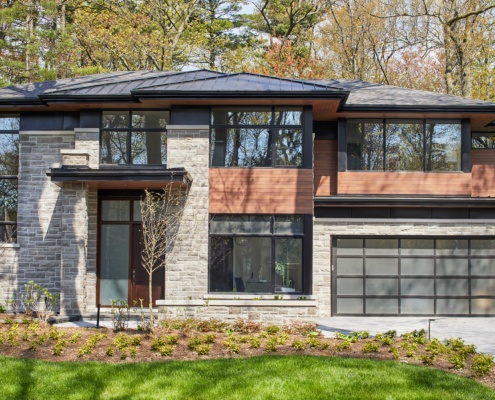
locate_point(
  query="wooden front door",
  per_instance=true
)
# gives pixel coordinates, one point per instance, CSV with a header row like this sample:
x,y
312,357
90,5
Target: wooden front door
x,y
120,271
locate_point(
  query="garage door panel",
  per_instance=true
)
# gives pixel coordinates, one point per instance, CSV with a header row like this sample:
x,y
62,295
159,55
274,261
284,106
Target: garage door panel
x,y
382,247
417,287
382,306
452,247
350,305
453,306
452,266
483,247
483,266
382,286
417,247
483,306
483,287
382,266
417,266
452,287
417,306
350,286
349,247
350,266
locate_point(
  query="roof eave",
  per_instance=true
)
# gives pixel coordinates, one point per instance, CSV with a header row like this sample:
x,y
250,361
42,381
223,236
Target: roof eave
x,y
421,109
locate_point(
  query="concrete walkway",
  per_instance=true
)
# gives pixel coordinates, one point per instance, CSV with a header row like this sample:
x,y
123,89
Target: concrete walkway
x,y
477,331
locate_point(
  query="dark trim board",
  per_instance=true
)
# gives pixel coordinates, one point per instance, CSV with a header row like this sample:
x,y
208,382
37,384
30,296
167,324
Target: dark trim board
x,y
391,201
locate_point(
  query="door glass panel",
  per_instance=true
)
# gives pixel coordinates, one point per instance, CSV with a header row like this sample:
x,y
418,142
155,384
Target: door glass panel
x,y
382,286
452,266
114,263
349,306
115,210
482,266
288,265
452,287
417,266
382,247
417,247
382,266
452,247
349,286
349,247
417,287
453,306
349,266
382,306
417,306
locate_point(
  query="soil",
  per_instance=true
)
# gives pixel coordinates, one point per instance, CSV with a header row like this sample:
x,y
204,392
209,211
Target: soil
x,y
27,338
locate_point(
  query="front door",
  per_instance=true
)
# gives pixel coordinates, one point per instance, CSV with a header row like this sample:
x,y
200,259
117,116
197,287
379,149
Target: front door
x,y
121,273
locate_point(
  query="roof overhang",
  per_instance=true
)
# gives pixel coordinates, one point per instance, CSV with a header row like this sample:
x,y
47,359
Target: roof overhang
x,y
121,177
391,201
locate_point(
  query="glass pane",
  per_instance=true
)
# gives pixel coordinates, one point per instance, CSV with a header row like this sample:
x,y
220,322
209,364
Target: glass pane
x,y
350,266
379,247
404,146
483,306
482,247
417,287
222,265
452,266
114,263
288,224
253,264
251,116
115,210
150,119
417,247
289,147
483,287
382,286
349,246
136,210
9,122
115,119
239,224
149,147
114,148
482,141
417,306
288,116
453,306
382,306
240,148
482,266
9,153
8,233
365,146
452,247
443,147
452,287
349,286
382,266
417,266
288,265
8,206
350,306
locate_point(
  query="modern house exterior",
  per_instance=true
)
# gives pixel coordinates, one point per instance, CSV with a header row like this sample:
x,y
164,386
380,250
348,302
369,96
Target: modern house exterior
x,y
305,198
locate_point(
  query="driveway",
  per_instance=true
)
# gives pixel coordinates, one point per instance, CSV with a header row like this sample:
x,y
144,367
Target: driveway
x,y
477,331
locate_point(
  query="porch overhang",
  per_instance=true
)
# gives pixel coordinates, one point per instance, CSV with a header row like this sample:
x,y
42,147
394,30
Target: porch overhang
x,y
121,177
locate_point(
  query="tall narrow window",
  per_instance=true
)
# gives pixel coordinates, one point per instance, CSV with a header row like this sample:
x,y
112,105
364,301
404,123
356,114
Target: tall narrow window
x,y
365,146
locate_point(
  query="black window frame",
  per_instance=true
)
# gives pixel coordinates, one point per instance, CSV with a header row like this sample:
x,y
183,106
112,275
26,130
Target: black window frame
x,y
307,250
384,122
8,229
129,130
273,130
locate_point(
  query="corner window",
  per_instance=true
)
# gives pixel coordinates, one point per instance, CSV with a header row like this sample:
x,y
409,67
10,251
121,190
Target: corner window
x,y
134,137
9,166
413,145
256,253
482,141
256,137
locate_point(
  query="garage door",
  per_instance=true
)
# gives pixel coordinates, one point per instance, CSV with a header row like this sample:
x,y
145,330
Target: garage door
x,y
413,276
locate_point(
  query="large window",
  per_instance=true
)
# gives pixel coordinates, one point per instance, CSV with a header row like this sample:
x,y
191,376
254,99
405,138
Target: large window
x,y
411,145
9,166
256,253
482,140
134,137
256,137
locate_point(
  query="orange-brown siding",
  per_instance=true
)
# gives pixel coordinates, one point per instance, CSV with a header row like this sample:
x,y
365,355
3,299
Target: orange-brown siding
x,y
483,180
260,191
325,177
483,156
411,183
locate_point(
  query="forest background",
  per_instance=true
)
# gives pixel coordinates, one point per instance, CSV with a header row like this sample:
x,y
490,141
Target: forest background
x,y
439,45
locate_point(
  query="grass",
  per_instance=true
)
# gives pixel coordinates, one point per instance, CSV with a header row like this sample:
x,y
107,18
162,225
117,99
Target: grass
x,y
267,377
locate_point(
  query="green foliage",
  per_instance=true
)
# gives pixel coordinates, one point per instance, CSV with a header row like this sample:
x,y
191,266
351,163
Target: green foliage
x,y
254,342
370,347
232,345
88,347
166,350
343,345
272,329
211,326
121,312
3,309
196,341
458,361
109,351
394,351
298,344
75,337
162,341
481,364
59,346
272,344
203,349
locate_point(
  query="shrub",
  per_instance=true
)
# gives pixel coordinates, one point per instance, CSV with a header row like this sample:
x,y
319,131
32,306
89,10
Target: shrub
x,y
243,326
232,346
203,349
298,344
370,347
458,361
272,329
428,359
166,350
343,345
271,345
109,351
211,326
75,337
161,341
59,346
481,365
394,351
255,342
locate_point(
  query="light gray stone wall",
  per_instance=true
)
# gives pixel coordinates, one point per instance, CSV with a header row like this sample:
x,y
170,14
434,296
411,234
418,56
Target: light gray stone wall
x,y
325,230
8,271
186,273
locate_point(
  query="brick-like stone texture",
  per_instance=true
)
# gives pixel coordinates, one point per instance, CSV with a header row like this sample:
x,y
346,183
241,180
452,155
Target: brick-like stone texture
x,y
325,230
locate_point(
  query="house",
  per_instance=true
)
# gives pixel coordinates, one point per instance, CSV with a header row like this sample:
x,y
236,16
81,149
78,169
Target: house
x,y
305,198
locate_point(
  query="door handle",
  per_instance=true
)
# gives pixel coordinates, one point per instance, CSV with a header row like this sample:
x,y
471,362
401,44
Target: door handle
x,y
133,277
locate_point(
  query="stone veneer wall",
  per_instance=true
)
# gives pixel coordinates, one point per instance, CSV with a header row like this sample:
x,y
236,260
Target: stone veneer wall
x,y
324,230
186,270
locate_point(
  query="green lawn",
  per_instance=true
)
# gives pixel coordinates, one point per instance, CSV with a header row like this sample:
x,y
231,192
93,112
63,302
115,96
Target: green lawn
x,y
269,377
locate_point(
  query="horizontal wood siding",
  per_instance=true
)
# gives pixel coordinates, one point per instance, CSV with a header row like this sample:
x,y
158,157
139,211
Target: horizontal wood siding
x,y
411,183
260,191
483,180
483,156
325,155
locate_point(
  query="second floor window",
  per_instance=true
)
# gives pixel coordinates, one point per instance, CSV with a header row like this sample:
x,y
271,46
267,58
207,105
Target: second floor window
x,y
134,137
403,145
256,137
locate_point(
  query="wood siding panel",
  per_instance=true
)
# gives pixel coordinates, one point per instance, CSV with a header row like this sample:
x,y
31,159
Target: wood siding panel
x,y
483,180
405,183
483,156
325,156
260,191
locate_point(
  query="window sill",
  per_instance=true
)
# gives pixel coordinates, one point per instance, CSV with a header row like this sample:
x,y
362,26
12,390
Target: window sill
x,y
262,301
9,246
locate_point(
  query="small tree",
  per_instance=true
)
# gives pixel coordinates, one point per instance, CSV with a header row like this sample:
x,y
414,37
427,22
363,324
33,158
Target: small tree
x,y
161,214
